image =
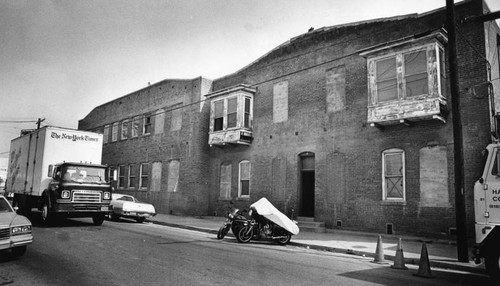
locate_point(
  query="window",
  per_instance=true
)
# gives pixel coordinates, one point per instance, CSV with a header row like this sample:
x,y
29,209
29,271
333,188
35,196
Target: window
x,y
232,109
121,176
132,176
146,127
114,132
244,179
134,130
124,133
246,120
393,175
219,115
406,74
105,134
225,181
144,179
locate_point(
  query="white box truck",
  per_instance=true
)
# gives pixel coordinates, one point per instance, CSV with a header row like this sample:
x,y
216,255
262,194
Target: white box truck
x,y
59,172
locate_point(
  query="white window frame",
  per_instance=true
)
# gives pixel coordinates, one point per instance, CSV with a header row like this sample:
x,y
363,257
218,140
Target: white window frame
x,y
146,124
392,152
131,175
240,112
240,188
114,132
143,177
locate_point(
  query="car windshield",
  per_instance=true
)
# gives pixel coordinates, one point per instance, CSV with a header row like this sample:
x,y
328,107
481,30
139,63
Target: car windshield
x,y
5,206
82,174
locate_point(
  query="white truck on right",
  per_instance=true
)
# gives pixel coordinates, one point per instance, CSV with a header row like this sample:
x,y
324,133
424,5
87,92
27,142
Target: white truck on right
x,y
487,213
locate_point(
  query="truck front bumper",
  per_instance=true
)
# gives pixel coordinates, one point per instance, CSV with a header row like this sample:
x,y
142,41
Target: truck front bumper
x,y
82,208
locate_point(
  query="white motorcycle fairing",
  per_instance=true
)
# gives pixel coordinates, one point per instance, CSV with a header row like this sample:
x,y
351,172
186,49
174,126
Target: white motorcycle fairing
x,y
267,210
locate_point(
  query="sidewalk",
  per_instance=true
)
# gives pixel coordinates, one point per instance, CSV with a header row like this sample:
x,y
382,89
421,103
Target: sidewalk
x,y
442,254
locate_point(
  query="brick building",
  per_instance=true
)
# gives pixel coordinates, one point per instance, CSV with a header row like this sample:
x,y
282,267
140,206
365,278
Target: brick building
x,y
348,124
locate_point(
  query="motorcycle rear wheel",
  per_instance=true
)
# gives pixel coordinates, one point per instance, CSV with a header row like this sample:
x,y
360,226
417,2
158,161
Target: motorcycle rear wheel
x,y
284,240
223,230
244,235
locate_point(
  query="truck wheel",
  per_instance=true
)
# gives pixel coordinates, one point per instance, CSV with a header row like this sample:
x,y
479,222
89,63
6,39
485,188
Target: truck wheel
x,y
46,217
98,219
19,251
492,263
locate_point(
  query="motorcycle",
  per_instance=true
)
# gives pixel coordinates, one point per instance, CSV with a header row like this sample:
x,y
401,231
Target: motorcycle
x,y
267,223
234,221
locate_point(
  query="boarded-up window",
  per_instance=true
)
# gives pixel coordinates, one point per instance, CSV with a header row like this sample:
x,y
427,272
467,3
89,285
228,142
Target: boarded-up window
x,y
225,181
159,121
155,184
105,135
176,121
434,177
244,179
173,176
335,89
393,175
280,102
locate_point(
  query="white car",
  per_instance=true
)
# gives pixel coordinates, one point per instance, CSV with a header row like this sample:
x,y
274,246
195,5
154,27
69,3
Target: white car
x,y
129,207
15,230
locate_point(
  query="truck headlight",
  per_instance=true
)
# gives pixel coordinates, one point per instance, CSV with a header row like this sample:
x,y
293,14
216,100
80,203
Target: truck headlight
x,y
65,194
22,229
107,195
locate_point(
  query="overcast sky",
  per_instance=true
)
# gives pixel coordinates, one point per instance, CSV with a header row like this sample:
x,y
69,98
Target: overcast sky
x,y
60,59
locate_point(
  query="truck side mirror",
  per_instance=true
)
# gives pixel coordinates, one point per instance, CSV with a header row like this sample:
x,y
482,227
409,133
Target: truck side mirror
x,y
51,171
115,175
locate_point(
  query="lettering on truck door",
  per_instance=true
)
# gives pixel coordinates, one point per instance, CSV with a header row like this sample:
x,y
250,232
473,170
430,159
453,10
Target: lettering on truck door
x,y
492,198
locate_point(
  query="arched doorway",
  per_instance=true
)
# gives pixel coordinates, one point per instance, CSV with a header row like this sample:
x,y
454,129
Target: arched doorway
x,y
307,184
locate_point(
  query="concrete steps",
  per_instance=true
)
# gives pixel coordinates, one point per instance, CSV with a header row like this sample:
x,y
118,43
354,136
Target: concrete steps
x,y
308,224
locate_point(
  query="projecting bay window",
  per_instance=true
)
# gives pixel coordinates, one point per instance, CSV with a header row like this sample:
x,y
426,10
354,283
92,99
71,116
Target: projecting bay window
x,y
406,80
231,116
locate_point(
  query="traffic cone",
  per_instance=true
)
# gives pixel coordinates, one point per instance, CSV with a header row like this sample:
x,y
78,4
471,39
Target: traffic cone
x,y
379,254
424,268
399,260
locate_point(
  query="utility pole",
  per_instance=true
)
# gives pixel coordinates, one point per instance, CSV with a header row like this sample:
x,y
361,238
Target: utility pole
x,y
462,248
38,122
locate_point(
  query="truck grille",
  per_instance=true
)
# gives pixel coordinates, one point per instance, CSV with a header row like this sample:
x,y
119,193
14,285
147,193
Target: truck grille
x,y
4,233
82,196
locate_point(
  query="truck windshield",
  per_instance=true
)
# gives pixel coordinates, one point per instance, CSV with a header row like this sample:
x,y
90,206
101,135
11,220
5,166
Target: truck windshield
x,y
83,174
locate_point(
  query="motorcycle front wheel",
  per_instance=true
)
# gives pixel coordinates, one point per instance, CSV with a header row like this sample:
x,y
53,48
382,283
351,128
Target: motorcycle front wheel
x,y
223,230
244,235
285,239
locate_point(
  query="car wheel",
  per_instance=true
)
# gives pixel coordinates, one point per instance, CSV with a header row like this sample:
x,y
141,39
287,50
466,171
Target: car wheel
x,y
140,220
19,251
98,219
245,234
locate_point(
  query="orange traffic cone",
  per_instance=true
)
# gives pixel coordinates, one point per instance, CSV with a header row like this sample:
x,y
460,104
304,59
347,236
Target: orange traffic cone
x,y
379,254
424,268
399,260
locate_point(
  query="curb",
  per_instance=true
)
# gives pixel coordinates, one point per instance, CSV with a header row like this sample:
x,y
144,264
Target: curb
x,y
413,261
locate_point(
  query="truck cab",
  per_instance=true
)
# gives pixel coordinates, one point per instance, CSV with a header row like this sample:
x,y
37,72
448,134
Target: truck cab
x,y
77,190
487,212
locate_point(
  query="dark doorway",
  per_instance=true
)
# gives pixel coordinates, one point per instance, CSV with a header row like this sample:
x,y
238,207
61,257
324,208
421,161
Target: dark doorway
x,y
307,184
307,193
